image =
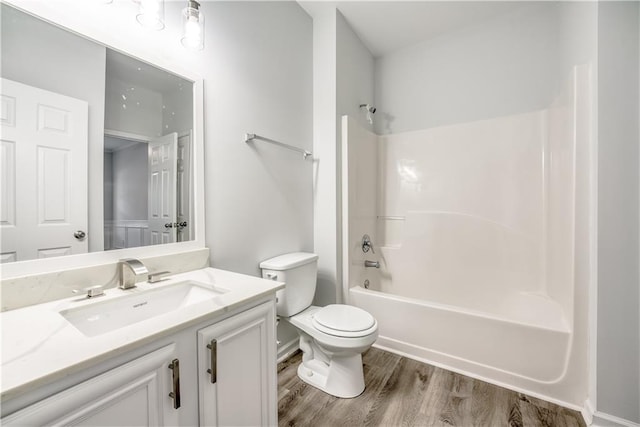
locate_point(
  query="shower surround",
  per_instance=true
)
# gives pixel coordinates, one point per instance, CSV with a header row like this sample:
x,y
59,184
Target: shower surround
x,y
475,229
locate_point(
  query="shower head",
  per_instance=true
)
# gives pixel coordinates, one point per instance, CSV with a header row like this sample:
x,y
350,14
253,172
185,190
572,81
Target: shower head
x,y
370,109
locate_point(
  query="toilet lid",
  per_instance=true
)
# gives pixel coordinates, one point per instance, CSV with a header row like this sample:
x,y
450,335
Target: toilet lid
x,y
344,320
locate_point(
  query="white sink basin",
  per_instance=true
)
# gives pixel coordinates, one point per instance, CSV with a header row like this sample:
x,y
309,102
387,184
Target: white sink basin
x,y
104,316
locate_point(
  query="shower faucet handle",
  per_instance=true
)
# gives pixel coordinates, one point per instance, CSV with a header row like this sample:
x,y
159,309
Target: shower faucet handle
x,y
367,244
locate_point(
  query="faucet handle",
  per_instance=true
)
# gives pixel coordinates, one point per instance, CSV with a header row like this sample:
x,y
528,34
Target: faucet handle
x,y
158,276
92,291
367,244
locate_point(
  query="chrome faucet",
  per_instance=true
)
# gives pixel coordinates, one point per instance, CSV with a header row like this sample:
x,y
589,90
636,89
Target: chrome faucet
x,y
375,264
132,271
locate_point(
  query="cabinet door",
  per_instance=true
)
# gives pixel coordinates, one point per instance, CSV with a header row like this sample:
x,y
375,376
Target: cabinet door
x,y
134,394
239,355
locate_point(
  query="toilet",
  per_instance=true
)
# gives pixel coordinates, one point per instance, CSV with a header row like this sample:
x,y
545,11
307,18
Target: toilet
x,y
332,338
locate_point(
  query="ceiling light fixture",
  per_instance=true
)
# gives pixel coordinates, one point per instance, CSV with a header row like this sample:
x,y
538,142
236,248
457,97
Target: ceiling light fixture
x,y
193,26
151,14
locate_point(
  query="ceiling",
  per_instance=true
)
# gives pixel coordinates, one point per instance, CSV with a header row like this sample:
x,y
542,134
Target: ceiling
x,y
386,26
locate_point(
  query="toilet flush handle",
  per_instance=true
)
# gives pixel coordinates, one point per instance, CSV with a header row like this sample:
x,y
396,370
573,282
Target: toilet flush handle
x,y
272,276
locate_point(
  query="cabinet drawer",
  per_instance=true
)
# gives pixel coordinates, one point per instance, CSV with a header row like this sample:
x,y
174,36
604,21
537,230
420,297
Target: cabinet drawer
x,y
133,394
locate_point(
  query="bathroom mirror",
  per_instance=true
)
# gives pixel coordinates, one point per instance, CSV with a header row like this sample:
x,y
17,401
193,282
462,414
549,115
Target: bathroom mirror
x,y
99,148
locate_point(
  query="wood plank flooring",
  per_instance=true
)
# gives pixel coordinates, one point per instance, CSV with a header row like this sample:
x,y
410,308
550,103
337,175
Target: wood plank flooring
x,y
404,392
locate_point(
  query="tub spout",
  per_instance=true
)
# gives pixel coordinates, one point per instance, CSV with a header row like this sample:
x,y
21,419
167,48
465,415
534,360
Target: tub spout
x,y
375,264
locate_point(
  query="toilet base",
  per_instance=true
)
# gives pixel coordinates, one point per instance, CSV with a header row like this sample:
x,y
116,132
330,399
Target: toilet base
x,y
343,376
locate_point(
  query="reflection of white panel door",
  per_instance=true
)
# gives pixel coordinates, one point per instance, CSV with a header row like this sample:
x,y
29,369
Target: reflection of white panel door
x,y
183,179
43,173
162,189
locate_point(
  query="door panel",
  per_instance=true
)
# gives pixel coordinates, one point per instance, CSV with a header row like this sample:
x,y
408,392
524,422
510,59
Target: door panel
x,y
162,188
42,211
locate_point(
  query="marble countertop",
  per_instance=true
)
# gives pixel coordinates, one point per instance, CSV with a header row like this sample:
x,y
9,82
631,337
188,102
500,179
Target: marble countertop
x,y
39,345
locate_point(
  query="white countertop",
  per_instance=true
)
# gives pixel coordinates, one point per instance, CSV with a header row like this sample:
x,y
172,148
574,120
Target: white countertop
x,y
39,345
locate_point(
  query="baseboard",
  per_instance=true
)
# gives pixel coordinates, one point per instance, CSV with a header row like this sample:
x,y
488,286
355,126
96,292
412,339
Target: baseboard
x,y
285,351
587,412
600,419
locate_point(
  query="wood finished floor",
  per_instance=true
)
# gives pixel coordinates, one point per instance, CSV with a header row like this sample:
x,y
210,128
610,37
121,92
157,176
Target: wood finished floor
x,y
404,392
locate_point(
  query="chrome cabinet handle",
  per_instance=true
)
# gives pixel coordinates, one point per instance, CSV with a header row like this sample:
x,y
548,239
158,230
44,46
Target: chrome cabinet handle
x,y
175,376
80,235
213,354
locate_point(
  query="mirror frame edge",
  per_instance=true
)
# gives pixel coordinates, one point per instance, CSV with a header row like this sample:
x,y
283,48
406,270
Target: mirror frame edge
x,y
41,266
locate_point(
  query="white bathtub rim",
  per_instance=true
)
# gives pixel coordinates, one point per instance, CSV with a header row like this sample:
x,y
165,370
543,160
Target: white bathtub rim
x,y
380,345
565,365
398,298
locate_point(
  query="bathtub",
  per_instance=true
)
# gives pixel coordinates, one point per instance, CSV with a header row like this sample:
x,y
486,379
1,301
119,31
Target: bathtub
x,y
483,345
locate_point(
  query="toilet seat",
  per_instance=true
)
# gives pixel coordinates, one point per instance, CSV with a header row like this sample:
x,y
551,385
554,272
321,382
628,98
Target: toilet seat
x,y
344,321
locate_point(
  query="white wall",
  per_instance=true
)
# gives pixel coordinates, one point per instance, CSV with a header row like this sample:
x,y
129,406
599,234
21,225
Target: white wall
x,y
502,66
618,352
74,67
360,173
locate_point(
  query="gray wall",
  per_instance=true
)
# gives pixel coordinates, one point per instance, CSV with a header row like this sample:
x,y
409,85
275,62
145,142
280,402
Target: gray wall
x,y
177,115
130,178
354,74
501,66
44,56
618,356
258,78
144,118
257,69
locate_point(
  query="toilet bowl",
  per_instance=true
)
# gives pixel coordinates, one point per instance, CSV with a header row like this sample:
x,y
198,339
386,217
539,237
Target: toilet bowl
x,y
332,338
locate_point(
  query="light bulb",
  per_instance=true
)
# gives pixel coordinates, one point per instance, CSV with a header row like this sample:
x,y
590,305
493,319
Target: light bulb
x,y
193,26
151,14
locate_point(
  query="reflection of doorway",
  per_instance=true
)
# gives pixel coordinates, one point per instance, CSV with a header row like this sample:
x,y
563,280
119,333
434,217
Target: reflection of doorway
x,y
125,192
145,201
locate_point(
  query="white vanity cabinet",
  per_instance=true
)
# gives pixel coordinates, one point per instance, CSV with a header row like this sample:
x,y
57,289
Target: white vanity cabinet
x,y
133,394
237,370
142,386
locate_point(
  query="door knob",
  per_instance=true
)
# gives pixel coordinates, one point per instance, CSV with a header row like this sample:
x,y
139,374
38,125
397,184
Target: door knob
x,y
80,235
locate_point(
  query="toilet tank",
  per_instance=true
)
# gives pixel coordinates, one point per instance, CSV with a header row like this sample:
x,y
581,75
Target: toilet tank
x,y
298,271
